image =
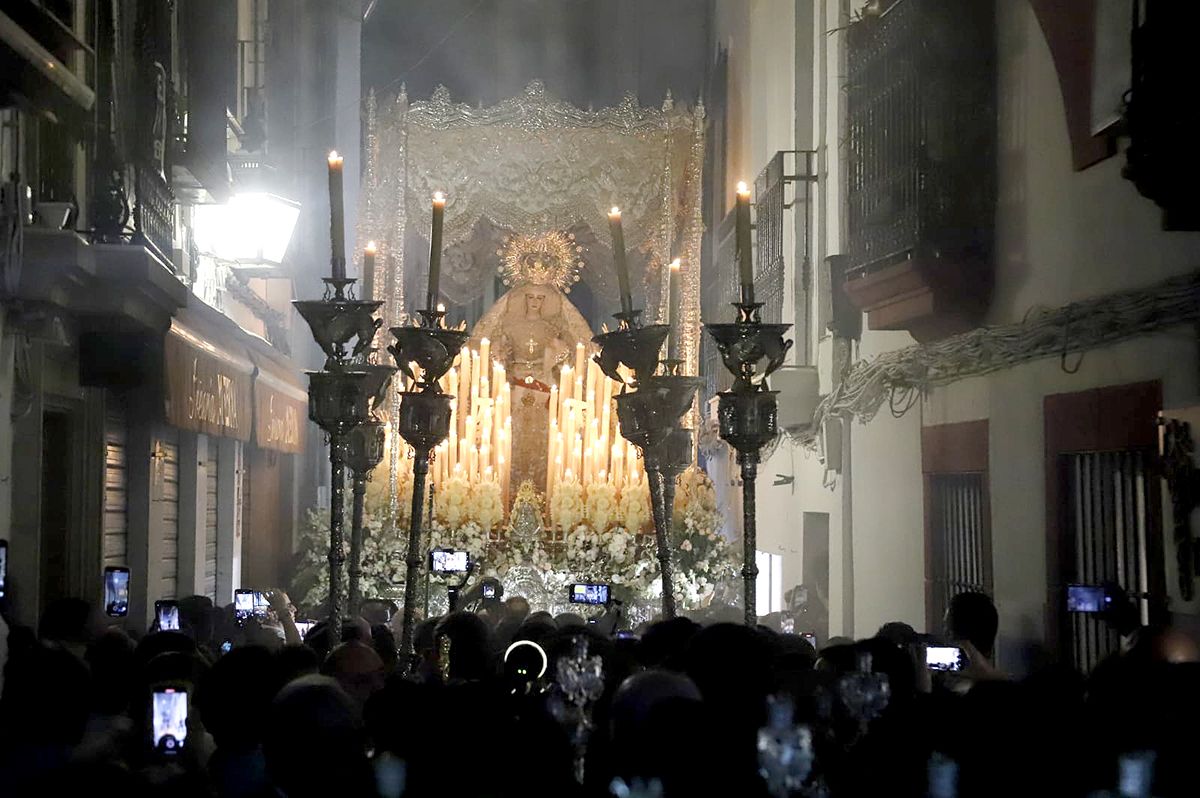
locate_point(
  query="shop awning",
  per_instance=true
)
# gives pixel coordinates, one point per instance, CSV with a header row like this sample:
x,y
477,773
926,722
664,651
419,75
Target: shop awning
x,y
208,374
280,401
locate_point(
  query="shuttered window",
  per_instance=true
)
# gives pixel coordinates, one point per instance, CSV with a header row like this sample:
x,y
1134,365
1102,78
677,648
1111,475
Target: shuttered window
x,y
960,538
169,507
210,520
1113,516
116,526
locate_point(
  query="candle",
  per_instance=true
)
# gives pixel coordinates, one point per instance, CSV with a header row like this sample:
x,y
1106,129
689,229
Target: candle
x,y
485,355
435,249
368,271
580,354
745,256
618,245
464,388
337,217
452,448
673,311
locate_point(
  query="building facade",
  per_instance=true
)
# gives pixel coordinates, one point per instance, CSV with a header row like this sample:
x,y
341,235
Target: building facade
x,y
154,411
995,311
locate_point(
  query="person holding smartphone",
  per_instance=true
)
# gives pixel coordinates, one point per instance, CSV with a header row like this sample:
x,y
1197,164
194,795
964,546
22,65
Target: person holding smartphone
x,y
283,611
972,623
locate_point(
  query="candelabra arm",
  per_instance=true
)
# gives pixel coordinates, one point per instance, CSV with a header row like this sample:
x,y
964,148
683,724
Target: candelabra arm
x,y
662,501
356,542
413,557
748,460
337,489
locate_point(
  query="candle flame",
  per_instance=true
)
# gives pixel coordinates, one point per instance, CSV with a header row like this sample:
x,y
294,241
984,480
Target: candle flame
x,y
439,198
371,249
675,264
742,188
335,159
615,211
441,307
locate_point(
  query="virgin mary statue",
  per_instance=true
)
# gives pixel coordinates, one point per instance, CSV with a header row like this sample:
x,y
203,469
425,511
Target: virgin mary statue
x,y
534,330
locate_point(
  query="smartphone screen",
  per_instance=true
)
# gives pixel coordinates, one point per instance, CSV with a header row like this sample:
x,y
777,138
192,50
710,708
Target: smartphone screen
x,y
3,567
811,638
170,719
261,605
1087,598
167,614
303,627
445,561
586,593
226,646
944,658
116,591
243,604
489,591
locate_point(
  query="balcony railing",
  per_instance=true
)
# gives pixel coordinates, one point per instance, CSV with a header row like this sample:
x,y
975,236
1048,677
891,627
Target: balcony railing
x,y
770,204
153,214
921,173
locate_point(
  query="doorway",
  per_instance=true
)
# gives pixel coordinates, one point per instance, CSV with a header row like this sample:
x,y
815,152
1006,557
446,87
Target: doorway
x,y
815,575
57,498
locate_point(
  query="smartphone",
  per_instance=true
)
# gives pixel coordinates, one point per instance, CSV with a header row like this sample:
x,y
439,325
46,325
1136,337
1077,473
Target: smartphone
x,y
489,591
944,658
1087,598
226,646
243,604
303,627
167,615
262,605
3,567
449,561
811,637
788,626
116,591
588,593
626,634
169,721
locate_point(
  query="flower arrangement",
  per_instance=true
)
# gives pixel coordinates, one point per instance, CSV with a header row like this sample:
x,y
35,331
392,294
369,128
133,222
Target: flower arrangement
x,y
601,542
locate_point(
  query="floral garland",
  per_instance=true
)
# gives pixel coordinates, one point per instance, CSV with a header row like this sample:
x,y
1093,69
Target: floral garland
x,y
597,544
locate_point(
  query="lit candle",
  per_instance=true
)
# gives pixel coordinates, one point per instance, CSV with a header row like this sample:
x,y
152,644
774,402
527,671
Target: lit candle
x,y
368,271
580,354
745,256
673,311
337,217
618,245
566,385
435,249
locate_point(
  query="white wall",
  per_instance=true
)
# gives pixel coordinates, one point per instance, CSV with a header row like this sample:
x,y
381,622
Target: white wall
x,y
1061,236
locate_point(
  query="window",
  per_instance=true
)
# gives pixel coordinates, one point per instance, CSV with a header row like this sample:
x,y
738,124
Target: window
x,y
960,539
1112,515
768,596
958,523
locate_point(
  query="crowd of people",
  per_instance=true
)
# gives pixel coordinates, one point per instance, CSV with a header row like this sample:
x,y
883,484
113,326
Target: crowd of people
x,y
470,714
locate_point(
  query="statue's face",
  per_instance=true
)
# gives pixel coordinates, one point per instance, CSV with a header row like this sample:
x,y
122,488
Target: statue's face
x,y
534,302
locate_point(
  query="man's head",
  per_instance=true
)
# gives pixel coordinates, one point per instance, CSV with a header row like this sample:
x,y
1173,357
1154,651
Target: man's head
x,y
358,670
517,608
972,617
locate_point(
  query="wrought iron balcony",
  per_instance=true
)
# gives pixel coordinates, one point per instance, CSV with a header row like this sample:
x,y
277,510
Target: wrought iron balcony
x,y
770,203
921,177
153,214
